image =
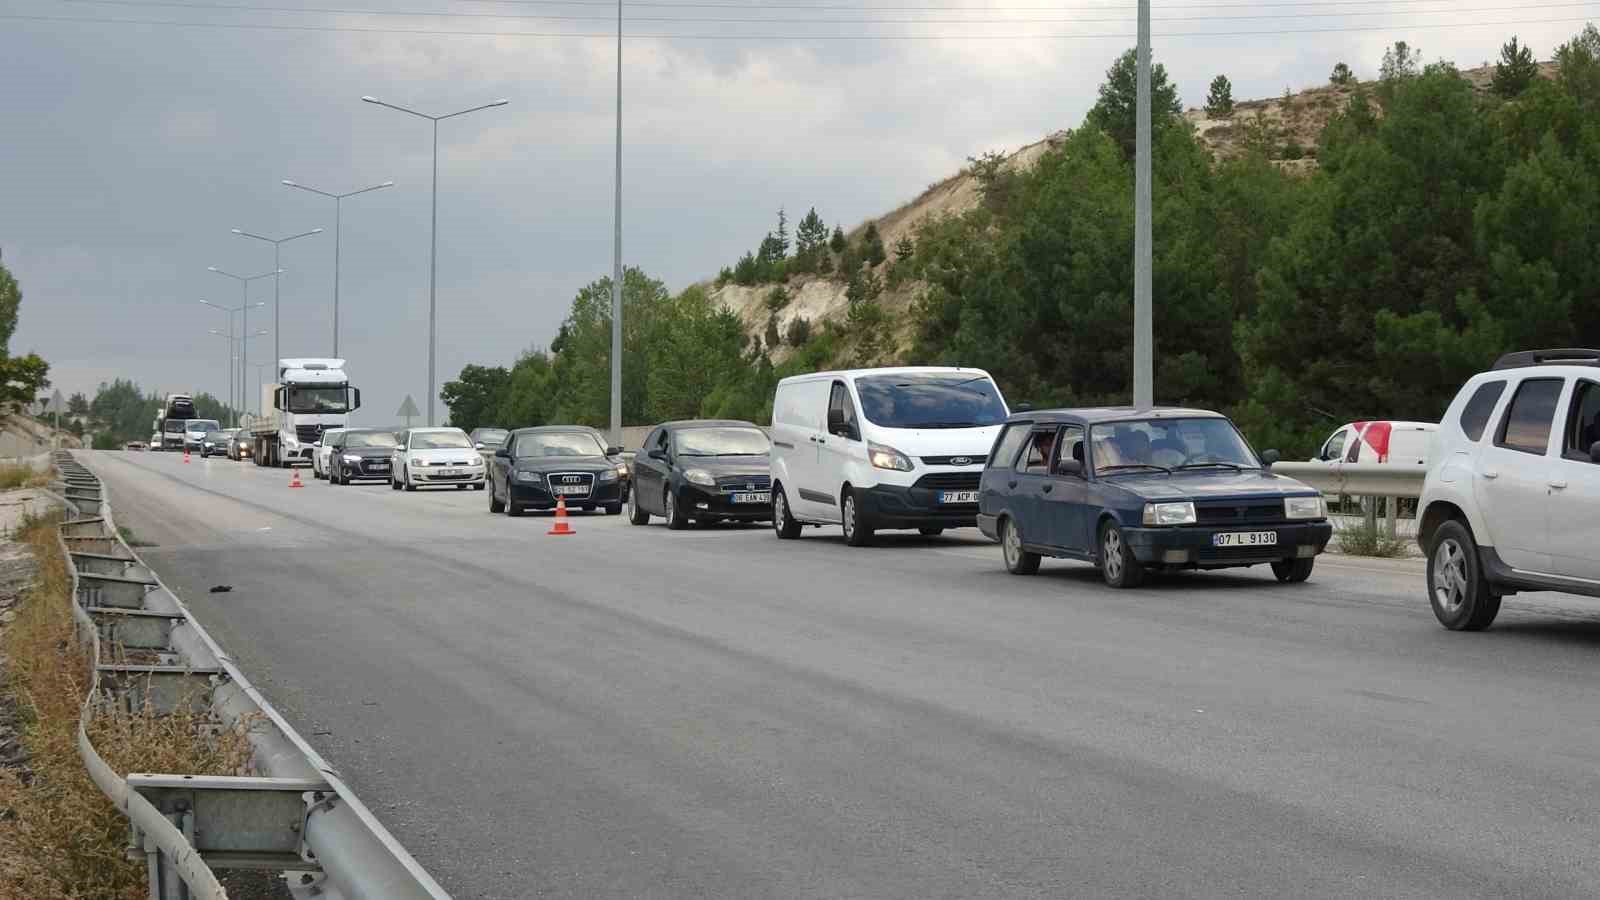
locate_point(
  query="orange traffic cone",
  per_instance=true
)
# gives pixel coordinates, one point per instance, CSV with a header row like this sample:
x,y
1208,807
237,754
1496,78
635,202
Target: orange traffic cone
x,y
294,481
561,526
186,453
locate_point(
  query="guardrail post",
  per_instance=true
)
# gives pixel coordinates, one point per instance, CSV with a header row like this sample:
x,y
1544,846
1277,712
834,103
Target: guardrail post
x,y
1371,504
1390,513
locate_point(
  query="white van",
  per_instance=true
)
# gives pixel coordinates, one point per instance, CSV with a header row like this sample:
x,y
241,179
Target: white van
x,y
1404,443
882,448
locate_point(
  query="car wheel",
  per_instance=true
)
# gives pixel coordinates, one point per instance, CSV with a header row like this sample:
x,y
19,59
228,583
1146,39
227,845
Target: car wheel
x,y
1018,560
676,520
930,532
588,507
783,522
636,513
1294,571
512,509
405,480
1117,563
461,487
331,479
479,486
394,483
1457,589
613,509
496,505
856,533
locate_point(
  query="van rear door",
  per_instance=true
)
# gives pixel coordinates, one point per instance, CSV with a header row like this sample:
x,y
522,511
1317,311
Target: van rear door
x,y
799,423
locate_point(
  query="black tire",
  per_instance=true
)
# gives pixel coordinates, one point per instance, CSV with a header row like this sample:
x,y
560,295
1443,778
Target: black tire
x,y
856,532
783,521
930,531
512,509
1018,560
462,487
588,507
1294,571
677,519
405,481
613,509
481,485
636,513
1118,566
394,483
496,505
331,480
1458,590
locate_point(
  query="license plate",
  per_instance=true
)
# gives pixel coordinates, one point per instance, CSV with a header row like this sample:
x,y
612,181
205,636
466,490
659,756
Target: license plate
x,y
958,496
445,473
570,489
762,497
1245,539
380,467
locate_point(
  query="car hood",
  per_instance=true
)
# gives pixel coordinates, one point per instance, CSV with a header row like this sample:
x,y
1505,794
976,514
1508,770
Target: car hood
x,y
728,466
545,464
368,452
452,454
1208,485
916,442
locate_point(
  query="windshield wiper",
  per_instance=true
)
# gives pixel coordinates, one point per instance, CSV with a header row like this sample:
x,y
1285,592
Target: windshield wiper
x,y
1201,465
940,425
1135,466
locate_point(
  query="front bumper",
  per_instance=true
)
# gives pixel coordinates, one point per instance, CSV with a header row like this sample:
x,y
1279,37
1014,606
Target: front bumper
x,y
430,475
892,506
367,468
532,495
1192,545
708,503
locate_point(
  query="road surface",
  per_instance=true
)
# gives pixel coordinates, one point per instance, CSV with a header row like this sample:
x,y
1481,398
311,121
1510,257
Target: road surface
x,y
633,712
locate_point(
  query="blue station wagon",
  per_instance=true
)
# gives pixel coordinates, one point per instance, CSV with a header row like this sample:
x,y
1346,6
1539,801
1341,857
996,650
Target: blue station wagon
x,y
1135,490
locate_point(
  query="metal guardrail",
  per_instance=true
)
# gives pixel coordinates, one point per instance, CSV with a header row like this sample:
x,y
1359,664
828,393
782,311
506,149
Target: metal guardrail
x,y
1358,479
299,818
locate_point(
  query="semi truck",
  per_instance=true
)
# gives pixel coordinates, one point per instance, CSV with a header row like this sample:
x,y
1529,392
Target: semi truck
x,y
309,397
176,409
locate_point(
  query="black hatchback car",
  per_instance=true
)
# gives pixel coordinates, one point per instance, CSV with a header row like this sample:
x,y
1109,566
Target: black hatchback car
x,y
1138,490
360,453
536,467
705,470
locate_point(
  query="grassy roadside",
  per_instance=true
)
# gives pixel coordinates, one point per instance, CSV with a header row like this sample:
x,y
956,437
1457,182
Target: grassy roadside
x,y
14,476
60,838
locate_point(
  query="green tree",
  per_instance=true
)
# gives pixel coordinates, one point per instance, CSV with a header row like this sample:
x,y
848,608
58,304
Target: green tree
x,y
10,302
121,412
78,405
1400,62
527,399
811,234
872,245
1515,70
1219,102
1341,75
1115,112
799,332
1578,69
837,243
905,248
475,395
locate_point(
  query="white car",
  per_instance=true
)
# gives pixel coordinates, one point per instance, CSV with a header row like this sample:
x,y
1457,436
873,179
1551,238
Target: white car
x,y
320,452
1510,503
1403,443
435,456
195,432
882,448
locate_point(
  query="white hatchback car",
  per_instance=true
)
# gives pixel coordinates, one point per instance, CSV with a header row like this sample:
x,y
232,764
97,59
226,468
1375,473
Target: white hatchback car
x,y
321,451
435,456
1510,502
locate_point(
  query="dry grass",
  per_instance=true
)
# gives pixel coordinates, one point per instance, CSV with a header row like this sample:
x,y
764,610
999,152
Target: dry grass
x,y
1365,540
60,838
13,476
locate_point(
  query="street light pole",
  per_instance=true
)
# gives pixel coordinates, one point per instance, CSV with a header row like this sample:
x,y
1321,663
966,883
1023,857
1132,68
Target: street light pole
x,y
433,248
229,336
277,269
338,218
616,262
244,303
1143,330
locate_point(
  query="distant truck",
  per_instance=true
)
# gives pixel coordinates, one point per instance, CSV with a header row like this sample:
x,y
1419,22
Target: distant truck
x,y
309,397
176,409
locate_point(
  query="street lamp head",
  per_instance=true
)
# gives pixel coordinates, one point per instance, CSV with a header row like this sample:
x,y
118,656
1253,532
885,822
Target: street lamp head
x,y
214,331
369,100
289,183
238,231
500,103
315,231
212,269
387,184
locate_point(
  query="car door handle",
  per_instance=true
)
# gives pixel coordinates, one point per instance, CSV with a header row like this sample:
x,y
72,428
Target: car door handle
x,y
821,441
1558,485
1491,473
1048,487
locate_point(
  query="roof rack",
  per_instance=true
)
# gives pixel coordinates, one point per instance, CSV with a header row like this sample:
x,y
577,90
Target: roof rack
x,y
1567,357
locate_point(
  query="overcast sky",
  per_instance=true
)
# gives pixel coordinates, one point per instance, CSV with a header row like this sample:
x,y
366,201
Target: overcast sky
x,y
128,152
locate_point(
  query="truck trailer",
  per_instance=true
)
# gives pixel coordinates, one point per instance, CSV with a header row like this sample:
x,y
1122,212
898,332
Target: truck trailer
x,y
309,397
176,409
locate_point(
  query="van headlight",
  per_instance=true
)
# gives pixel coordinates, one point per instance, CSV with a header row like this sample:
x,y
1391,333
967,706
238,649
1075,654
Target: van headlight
x,y
1169,513
884,457
700,477
1304,508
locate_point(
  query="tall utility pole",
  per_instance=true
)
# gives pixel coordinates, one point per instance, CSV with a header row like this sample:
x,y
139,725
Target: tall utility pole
x,y
277,269
433,248
338,214
616,263
1143,331
245,305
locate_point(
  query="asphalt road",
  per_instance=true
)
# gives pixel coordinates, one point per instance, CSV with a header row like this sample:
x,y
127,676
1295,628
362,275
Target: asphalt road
x,y
633,712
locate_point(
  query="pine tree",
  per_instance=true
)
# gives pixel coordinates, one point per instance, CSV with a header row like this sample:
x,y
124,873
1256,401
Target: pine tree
x,y
783,234
872,243
1219,103
837,243
811,233
1515,70
904,248
1341,75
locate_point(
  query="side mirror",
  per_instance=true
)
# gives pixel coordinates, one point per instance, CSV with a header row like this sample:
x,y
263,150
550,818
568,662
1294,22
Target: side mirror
x,y
1594,452
316,443
658,453
1268,457
836,423
355,402
613,451
503,453
478,445
277,399
1069,467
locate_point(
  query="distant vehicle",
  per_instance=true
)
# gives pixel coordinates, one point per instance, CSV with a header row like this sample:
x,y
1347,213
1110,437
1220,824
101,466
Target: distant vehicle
x,y
217,442
1403,443
702,471
309,397
195,432
321,450
176,409
1136,490
882,448
134,445
435,456
361,453
155,439
242,445
1510,503
537,466
490,438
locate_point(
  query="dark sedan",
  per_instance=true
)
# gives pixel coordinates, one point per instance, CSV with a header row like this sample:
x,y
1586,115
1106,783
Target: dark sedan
x,y
1134,491
704,471
539,466
359,454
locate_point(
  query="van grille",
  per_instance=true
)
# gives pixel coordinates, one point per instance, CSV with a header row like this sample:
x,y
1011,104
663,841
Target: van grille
x,y
977,459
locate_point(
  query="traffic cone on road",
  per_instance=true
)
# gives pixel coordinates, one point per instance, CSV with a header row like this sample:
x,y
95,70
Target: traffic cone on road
x,y
561,526
185,454
294,480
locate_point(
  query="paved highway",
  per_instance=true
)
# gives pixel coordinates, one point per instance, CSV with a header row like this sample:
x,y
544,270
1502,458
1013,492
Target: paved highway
x,y
632,712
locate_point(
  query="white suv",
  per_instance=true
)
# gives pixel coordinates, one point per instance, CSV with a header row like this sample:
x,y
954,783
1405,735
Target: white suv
x,y
1512,501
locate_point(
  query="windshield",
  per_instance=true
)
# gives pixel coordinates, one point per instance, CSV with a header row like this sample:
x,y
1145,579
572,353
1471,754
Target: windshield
x,y
203,425
1169,444
174,426
439,440
370,439
559,443
722,442
333,399
931,400
491,435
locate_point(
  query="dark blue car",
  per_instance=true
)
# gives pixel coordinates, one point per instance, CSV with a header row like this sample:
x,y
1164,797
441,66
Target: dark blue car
x,y
1136,490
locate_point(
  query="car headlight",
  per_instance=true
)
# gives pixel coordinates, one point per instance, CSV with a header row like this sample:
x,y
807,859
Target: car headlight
x,y
1169,513
528,476
700,477
608,475
622,469
1304,508
475,461
417,461
351,458
887,458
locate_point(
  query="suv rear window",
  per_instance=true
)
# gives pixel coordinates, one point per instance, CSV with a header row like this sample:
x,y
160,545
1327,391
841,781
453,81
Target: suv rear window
x,y
1475,415
1526,426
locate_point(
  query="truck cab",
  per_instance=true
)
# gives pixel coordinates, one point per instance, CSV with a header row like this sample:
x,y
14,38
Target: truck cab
x,y
310,397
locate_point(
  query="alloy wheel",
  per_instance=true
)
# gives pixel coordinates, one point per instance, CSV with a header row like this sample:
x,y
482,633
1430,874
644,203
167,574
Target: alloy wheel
x,y
1012,545
1113,554
1449,575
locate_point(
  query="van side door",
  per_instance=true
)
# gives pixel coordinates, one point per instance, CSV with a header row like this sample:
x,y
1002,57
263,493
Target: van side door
x,y
841,444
